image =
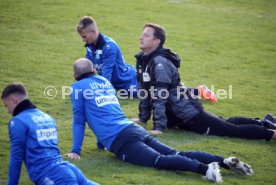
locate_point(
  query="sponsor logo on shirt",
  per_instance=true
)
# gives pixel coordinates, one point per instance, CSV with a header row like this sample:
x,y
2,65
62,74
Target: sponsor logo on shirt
x,y
105,100
95,85
42,119
46,134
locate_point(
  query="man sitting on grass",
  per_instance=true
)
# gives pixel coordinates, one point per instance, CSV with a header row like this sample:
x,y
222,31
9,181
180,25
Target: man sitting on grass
x,y
94,101
157,72
34,140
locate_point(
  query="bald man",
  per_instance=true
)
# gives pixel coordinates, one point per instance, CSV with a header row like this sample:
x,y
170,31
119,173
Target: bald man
x,y
94,101
34,141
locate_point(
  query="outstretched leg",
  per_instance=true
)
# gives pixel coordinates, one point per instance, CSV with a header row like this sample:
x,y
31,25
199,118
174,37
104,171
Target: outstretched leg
x,y
206,123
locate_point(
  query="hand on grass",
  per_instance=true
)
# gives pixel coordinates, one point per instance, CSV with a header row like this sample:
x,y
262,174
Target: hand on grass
x,y
72,155
155,132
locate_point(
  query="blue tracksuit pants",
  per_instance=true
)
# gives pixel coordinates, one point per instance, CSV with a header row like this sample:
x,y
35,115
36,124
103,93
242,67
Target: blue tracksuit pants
x,y
135,145
65,174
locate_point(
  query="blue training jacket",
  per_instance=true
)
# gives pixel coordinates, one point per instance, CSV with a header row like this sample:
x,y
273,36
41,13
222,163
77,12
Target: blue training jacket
x,y
34,140
94,101
109,62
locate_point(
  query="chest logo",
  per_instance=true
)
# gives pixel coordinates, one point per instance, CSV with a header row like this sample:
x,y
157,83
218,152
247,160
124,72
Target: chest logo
x,y
98,54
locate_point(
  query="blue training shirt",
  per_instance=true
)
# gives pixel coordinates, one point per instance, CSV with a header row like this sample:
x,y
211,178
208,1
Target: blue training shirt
x,y
109,63
94,101
34,140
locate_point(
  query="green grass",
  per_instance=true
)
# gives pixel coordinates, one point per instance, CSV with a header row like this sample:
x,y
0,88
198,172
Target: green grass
x,y
221,43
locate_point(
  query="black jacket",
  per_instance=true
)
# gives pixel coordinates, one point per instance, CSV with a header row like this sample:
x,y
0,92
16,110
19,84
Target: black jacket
x,y
158,78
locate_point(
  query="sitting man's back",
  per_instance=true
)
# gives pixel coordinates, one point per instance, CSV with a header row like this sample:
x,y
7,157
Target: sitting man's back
x,y
34,141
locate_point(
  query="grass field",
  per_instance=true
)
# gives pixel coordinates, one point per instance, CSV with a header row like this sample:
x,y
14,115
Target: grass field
x,y
221,43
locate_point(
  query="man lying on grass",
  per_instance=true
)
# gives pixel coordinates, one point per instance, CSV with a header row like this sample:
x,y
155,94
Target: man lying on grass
x,y
94,101
34,140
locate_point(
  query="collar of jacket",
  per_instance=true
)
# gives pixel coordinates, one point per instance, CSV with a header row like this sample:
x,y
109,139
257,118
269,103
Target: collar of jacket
x,y
146,58
85,75
24,105
99,43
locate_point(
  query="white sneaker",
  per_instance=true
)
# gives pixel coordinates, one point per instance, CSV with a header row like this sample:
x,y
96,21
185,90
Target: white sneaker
x,y
239,167
213,173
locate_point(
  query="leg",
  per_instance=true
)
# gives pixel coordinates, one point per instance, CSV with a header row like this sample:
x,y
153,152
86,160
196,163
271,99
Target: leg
x,y
268,122
202,157
143,149
141,154
81,179
238,120
209,124
60,174
159,147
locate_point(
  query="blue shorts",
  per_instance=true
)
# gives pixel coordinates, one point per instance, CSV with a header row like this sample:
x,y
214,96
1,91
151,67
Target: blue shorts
x,y
65,174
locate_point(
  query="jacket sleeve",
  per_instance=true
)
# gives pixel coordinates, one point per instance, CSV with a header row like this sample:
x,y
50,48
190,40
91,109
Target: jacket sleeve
x,y
17,133
108,60
79,120
145,107
88,54
161,78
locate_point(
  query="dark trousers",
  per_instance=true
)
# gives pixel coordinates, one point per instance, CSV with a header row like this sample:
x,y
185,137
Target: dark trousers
x,y
242,127
135,145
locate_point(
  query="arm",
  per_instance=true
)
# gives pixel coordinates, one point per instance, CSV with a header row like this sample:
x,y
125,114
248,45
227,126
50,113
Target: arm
x,y
79,120
159,108
17,132
88,54
108,60
161,75
145,107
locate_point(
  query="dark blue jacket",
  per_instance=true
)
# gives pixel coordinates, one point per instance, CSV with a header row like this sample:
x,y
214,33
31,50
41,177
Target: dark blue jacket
x,y
109,63
164,77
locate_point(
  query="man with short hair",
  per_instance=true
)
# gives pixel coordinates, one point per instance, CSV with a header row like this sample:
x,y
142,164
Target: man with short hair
x,y
94,101
34,140
157,74
106,56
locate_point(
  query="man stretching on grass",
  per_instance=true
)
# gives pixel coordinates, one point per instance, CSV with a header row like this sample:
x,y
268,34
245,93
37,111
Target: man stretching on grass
x,y
34,140
94,101
157,72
